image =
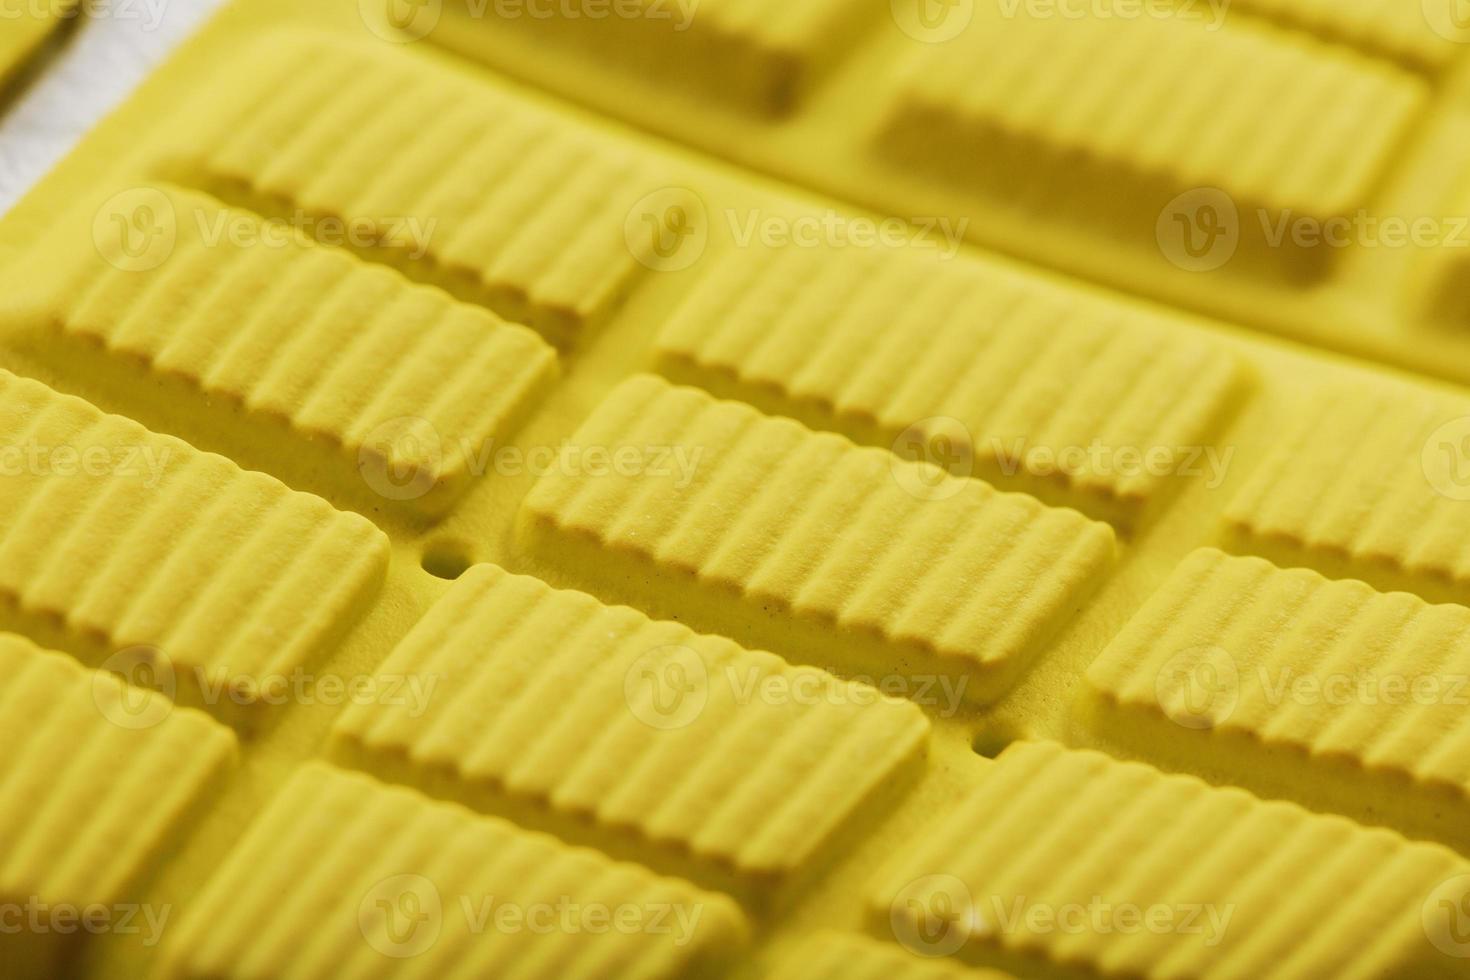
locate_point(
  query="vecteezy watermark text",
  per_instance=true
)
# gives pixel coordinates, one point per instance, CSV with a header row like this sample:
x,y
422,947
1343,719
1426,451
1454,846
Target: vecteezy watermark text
x,y
403,915
37,917
400,459
148,13
145,462
936,915
153,681
669,687
1201,687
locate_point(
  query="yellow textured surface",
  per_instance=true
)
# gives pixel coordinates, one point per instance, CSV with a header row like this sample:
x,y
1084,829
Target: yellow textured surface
x,y
729,776
332,837
230,574
1388,27
1312,674
1370,478
850,544
1063,828
835,956
98,778
519,201
1016,101
1013,363
337,348
785,470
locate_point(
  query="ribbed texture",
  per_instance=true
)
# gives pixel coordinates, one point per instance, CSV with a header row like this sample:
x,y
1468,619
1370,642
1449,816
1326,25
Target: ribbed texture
x,y
1283,628
752,54
809,524
224,570
1019,363
340,349
841,956
1310,896
85,804
535,699
526,209
1270,117
297,897
1355,474
1391,27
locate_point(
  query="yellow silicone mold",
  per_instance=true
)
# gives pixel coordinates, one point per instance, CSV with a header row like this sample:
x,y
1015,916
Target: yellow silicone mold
x,y
737,490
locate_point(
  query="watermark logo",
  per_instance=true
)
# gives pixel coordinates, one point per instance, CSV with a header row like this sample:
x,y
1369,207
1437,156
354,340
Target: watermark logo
x,y
401,21
934,916
1450,19
833,230
1199,688
668,687
135,688
147,13
1445,915
401,916
1199,231
404,458
933,21
945,445
1212,463
678,15
1446,459
668,230
400,459
136,230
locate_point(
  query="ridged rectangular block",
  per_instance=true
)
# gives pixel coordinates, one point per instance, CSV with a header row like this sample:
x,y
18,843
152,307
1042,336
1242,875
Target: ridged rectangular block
x,y
833,551
1107,121
498,201
1076,400
96,782
140,539
408,384
1366,482
748,55
1073,860
1425,34
344,876
1329,691
688,741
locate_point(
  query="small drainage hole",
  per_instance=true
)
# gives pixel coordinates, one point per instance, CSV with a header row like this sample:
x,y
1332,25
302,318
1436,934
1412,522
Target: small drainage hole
x,y
447,559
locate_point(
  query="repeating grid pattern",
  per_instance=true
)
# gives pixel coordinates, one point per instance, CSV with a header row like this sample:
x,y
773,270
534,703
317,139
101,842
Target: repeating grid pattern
x,y
799,520
339,349
337,845
881,344
1266,626
804,520
744,781
528,210
229,574
1067,827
